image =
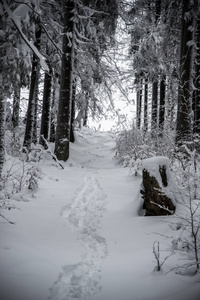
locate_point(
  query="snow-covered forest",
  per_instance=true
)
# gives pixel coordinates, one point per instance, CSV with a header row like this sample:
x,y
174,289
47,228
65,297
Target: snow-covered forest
x,y
88,213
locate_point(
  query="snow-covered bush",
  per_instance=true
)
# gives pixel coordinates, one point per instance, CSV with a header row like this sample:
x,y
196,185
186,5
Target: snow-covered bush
x,y
17,175
17,178
134,145
33,174
187,170
13,142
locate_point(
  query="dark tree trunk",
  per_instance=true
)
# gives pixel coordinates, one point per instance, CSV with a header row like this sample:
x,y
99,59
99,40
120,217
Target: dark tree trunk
x,y
139,104
45,122
2,133
64,111
183,126
154,112
3,93
146,105
34,139
53,110
196,93
16,107
162,105
31,126
72,137
171,115
85,117
154,105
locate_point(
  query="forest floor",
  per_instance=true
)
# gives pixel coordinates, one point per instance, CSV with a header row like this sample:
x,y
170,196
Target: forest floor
x,y
79,235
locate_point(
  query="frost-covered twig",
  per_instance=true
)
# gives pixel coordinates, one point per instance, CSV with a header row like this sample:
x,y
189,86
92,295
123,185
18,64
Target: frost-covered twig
x,y
6,219
156,252
4,206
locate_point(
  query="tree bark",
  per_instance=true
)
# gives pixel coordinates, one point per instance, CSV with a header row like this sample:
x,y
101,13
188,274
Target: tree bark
x,y
64,111
146,105
16,107
85,117
196,93
139,104
162,105
154,111
31,125
34,138
2,133
45,121
55,87
184,126
73,111
4,84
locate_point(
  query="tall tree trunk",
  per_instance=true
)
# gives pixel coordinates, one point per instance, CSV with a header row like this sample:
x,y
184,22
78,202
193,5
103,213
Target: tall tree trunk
x,y
196,93
139,104
30,120
171,115
16,107
162,105
85,117
146,105
4,86
184,124
154,111
2,132
34,138
73,112
64,111
53,109
45,121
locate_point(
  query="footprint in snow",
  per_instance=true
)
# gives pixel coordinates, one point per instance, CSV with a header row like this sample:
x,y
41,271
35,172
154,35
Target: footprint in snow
x,y
84,215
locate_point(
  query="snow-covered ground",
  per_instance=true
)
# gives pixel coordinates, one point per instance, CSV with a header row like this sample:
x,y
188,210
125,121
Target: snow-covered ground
x,y
80,236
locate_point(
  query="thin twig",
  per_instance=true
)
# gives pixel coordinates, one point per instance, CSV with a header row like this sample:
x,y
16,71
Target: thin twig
x,y
7,219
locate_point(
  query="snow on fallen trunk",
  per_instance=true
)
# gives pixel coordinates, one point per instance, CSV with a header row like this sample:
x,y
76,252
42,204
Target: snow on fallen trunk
x,y
157,187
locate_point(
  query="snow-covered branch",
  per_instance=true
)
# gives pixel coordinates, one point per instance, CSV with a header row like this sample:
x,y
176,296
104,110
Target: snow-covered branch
x,y
17,24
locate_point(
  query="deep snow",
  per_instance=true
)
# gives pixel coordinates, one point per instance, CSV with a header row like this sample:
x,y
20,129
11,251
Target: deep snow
x,y
79,236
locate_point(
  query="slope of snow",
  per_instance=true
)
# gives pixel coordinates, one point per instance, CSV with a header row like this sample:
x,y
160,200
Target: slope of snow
x,y
80,237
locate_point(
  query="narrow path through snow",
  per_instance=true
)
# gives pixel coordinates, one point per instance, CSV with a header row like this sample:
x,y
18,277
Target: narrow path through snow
x,y
84,214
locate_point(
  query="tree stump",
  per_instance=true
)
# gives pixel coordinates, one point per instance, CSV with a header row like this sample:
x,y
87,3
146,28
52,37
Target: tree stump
x,y
155,187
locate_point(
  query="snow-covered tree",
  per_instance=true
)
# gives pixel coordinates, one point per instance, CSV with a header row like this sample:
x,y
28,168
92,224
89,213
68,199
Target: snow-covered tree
x,y
31,119
154,48
196,92
184,111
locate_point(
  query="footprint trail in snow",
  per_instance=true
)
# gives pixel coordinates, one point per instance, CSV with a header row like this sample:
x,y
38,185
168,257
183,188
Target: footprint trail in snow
x,y
84,215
